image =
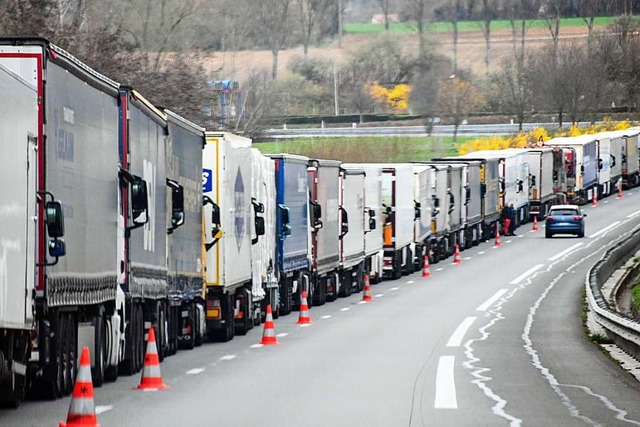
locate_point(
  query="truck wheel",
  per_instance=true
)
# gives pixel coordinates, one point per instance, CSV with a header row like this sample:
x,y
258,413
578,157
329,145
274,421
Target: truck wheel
x,y
12,384
72,357
111,372
100,350
140,343
397,265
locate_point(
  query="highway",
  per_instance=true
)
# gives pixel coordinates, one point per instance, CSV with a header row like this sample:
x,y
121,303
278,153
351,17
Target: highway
x,y
437,130
496,340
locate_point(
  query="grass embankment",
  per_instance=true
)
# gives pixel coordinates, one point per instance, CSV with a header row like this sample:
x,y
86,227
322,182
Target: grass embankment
x,y
443,27
366,150
635,299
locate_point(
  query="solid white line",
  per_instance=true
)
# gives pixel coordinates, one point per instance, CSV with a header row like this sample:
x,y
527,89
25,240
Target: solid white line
x,y
228,357
445,384
604,230
526,274
461,330
101,409
633,214
326,316
195,371
566,251
491,300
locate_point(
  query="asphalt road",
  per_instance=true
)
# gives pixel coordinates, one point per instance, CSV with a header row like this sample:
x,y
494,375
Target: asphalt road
x,y
496,340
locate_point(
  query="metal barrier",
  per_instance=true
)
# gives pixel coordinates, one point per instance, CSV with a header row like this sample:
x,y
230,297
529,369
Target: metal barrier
x,y
623,330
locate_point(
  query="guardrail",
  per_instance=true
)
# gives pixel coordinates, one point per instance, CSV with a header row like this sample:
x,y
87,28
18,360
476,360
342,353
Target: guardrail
x,y
623,330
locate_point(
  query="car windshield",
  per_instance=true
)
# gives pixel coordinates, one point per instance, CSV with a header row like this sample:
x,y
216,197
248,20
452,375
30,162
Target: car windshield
x,y
560,212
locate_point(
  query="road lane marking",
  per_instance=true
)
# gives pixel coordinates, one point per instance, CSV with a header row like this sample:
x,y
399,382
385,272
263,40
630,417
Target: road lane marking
x,y
636,213
480,253
379,295
526,274
257,346
395,289
228,357
326,316
459,333
565,252
445,384
409,282
604,230
305,325
345,309
606,201
362,302
195,371
439,269
101,409
488,303
467,258
282,334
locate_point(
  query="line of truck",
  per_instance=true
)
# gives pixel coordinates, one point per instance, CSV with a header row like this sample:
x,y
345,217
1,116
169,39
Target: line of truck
x,y
117,216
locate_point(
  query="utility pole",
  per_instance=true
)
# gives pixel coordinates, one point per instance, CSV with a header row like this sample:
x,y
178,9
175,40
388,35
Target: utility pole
x,y
339,24
335,89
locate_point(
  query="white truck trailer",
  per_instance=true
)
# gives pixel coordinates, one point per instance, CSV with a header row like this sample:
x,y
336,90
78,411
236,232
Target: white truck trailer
x,y
624,156
228,213
373,242
263,249
352,228
422,213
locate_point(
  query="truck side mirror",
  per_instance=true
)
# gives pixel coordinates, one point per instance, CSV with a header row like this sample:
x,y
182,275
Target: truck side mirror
x,y
260,229
436,206
372,224
177,205
57,248
372,213
467,195
520,185
600,164
483,190
452,202
416,210
555,177
54,219
139,200
613,160
344,226
502,185
285,229
317,210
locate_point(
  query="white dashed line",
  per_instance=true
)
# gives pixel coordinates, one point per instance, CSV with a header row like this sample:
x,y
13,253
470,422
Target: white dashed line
x,y
410,282
395,289
305,325
379,295
228,357
565,252
101,409
445,384
362,302
326,316
195,371
480,253
467,258
526,274
257,346
488,303
345,309
282,334
461,330
508,241
439,269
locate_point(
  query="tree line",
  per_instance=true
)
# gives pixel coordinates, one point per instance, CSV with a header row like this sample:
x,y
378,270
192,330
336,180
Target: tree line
x,y
160,47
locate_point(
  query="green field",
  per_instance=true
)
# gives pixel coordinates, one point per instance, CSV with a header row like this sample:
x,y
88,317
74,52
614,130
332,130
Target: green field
x,y
443,27
370,150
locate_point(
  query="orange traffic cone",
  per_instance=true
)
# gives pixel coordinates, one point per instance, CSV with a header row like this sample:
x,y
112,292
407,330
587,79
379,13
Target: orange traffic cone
x,y
535,223
425,267
269,333
456,256
594,202
497,243
82,412
367,289
151,378
304,318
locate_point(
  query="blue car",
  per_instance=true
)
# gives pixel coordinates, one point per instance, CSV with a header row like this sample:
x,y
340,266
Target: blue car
x,y
565,219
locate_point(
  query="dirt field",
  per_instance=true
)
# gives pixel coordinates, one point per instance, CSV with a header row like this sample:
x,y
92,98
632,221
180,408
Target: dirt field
x,y
471,49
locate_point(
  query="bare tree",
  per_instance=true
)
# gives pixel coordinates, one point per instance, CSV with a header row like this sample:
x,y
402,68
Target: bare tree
x,y
418,11
551,14
487,15
588,10
512,87
385,6
273,19
310,12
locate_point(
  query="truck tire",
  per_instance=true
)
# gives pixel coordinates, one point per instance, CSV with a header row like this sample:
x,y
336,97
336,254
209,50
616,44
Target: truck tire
x,y
111,372
397,265
12,385
72,356
100,350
